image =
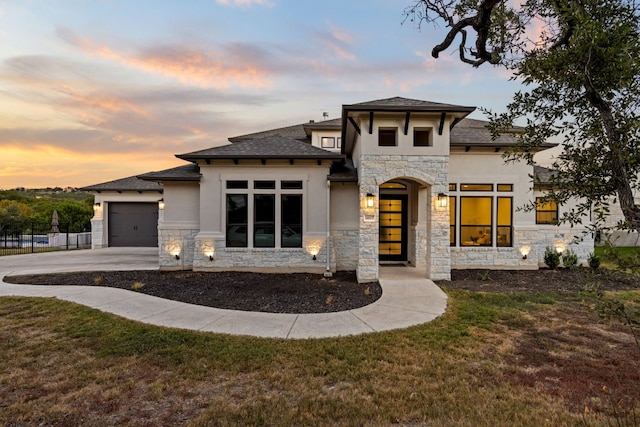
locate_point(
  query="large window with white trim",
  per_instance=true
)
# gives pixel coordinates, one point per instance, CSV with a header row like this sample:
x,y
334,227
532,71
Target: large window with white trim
x,y
276,214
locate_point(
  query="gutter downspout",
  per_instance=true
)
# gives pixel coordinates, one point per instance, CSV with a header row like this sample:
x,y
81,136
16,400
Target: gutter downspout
x,y
327,272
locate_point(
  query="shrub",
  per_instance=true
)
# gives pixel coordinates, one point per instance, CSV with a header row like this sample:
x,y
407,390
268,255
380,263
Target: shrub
x,y
594,261
551,258
569,259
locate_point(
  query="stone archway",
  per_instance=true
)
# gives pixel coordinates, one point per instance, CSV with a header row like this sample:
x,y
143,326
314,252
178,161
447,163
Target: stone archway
x,y
429,240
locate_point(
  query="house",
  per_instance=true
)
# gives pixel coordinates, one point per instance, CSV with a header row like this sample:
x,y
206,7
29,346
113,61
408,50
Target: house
x,y
393,181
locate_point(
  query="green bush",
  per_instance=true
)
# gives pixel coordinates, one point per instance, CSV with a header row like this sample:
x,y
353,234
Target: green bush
x,y
551,258
594,261
569,258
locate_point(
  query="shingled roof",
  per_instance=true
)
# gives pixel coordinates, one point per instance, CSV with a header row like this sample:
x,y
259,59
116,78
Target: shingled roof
x,y
301,132
475,133
405,104
131,183
271,147
190,172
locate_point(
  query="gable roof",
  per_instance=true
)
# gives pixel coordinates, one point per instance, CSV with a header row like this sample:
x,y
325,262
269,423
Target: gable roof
x,y
190,172
131,183
271,147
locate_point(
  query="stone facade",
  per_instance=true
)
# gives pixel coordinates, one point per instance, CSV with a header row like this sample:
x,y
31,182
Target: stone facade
x,y
173,241
430,171
273,260
345,247
530,240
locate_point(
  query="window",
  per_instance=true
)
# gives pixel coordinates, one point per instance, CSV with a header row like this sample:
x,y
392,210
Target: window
x,y
452,221
546,212
276,219
237,184
387,137
505,221
339,144
237,220
421,138
264,213
291,185
291,224
327,142
264,185
476,227
505,187
476,187
452,187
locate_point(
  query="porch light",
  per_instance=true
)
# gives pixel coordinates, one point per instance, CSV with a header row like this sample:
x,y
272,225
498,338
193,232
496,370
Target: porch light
x,y
559,248
442,200
369,200
161,204
96,206
524,251
209,254
177,256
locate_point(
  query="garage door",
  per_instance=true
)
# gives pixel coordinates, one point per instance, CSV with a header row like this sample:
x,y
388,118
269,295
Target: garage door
x,y
133,224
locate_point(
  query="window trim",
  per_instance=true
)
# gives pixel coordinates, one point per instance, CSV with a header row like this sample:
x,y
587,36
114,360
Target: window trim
x,y
333,141
428,131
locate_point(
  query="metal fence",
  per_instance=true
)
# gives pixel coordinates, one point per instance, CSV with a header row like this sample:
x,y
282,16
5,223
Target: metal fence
x,y
34,237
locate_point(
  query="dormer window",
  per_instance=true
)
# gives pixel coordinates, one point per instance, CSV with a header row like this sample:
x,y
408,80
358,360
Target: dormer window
x,y
387,137
327,142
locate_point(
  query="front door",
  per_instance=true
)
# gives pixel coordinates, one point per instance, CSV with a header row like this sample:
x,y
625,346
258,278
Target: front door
x,y
393,227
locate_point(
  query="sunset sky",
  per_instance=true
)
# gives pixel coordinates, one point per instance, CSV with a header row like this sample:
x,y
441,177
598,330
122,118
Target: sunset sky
x,y
92,91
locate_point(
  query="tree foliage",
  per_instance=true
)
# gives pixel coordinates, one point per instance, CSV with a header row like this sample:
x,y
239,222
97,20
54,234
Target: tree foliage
x,y
583,81
73,210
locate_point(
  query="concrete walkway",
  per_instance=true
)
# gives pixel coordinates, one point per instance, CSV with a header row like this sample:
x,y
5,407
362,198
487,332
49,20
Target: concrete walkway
x,y
407,299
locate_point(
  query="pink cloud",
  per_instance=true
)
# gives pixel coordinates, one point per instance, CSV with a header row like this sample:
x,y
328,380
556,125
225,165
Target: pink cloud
x,y
217,68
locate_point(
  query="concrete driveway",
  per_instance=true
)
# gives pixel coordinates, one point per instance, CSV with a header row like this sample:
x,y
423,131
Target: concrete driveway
x,y
408,299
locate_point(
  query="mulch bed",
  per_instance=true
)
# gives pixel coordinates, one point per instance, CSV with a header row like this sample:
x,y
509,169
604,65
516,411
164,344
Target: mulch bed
x,y
540,281
312,293
270,293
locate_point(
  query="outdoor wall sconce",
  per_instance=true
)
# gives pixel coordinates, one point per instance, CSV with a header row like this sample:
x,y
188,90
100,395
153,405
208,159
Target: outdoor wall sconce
x,y
177,256
314,257
210,256
161,204
369,200
559,249
96,206
442,200
524,251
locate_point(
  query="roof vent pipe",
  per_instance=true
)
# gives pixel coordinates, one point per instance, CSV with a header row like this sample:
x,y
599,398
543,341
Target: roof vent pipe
x,y
312,121
325,115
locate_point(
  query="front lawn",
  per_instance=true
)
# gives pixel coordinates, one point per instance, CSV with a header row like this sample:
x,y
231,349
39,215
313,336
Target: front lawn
x,y
494,359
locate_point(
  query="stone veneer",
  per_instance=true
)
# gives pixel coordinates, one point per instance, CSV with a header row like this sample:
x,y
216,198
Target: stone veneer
x,y
97,233
172,241
374,170
534,239
274,260
345,248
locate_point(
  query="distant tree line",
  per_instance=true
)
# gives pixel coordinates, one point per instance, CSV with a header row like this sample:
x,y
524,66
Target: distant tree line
x,y
37,206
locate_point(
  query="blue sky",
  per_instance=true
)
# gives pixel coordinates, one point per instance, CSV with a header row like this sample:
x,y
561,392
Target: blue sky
x,y
92,91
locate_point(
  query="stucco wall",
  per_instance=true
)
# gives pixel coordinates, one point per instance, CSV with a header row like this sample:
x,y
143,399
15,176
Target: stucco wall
x,y
485,167
178,224
210,240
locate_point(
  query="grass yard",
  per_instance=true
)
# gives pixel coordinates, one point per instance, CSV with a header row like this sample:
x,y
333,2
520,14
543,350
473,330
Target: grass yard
x,y
491,360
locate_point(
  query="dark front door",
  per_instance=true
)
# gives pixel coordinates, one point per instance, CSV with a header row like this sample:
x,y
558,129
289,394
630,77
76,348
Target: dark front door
x,y
133,224
393,227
